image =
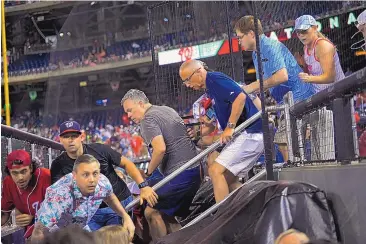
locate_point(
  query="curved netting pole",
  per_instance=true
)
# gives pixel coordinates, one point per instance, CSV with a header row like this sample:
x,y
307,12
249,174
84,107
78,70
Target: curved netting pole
x,y
265,125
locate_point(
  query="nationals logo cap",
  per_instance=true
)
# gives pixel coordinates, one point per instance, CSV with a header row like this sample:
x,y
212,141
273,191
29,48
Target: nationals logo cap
x,y
69,126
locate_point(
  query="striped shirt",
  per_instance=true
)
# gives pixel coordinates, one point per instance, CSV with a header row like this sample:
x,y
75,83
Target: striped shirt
x,y
315,68
276,56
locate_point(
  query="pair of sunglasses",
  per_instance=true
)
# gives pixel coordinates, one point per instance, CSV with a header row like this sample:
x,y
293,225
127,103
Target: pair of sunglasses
x,y
358,23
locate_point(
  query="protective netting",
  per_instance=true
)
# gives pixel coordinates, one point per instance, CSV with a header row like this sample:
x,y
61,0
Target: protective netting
x,y
102,49
40,154
102,52
319,135
181,31
336,21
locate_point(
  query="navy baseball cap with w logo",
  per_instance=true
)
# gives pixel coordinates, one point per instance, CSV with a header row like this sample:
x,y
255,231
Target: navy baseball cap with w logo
x,y
69,126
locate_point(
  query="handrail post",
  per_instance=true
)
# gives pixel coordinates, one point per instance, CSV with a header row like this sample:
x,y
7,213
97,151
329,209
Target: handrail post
x,y
288,101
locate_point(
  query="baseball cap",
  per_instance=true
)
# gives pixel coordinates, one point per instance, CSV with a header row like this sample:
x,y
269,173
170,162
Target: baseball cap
x,y
21,156
304,22
69,126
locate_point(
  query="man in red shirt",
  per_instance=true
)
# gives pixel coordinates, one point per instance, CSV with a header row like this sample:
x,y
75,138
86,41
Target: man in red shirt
x,y
23,189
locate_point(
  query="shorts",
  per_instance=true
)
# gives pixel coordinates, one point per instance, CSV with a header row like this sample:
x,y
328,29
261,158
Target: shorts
x,y
281,136
176,196
242,153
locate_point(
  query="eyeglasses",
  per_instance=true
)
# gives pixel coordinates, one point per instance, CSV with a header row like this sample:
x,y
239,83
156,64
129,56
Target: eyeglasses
x,y
190,77
240,37
302,32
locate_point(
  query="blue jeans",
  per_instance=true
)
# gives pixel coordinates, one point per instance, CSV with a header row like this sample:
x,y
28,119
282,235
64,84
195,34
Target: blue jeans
x,y
176,196
106,216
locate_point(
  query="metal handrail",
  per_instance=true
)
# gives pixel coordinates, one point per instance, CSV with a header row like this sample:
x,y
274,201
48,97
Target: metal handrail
x,y
194,160
8,131
347,86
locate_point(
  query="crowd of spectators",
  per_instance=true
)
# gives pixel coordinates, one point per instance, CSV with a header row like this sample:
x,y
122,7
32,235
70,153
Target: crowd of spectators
x,y
122,135
9,3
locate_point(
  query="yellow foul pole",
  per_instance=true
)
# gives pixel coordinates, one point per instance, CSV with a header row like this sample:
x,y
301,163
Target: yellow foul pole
x,y
5,63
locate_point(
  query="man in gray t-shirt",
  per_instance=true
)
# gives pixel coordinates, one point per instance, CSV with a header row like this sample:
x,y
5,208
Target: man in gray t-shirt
x,y
165,121
164,130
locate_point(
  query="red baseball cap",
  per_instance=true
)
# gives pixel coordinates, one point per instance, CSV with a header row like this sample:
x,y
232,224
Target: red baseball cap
x,y
18,155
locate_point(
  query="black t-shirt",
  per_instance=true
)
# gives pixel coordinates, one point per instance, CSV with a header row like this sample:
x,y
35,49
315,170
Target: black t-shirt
x,y
107,158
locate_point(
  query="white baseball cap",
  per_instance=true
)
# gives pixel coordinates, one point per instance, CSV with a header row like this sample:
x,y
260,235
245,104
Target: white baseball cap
x,y
304,22
361,19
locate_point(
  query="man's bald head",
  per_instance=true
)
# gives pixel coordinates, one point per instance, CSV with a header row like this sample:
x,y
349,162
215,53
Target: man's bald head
x,y
193,74
190,66
292,237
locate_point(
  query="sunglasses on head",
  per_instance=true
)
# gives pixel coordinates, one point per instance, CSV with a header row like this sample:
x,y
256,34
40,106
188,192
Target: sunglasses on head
x,y
17,162
303,32
357,23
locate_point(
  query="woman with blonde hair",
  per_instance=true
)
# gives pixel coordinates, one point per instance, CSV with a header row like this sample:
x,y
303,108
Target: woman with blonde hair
x,y
320,55
112,234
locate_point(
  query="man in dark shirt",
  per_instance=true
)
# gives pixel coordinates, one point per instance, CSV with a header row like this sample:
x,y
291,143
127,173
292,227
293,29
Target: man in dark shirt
x,y
165,131
71,138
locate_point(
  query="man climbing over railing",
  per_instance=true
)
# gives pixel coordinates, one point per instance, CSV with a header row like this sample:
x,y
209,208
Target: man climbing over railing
x,y
232,107
164,130
23,189
280,71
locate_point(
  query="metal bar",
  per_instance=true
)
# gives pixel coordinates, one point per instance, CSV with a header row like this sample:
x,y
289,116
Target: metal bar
x,y
10,147
268,154
33,151
49,157
201,155
288,102
217,205
25,136
354,129
299,138
5,65
349,85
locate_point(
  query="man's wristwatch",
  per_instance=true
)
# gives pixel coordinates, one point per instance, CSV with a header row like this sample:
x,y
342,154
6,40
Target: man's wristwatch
x,y
230,125
143,184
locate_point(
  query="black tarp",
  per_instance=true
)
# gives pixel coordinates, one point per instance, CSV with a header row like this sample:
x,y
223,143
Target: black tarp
x,y
203,200
259,212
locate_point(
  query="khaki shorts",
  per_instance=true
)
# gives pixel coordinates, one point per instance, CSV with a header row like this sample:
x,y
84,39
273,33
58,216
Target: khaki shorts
x,y
242,153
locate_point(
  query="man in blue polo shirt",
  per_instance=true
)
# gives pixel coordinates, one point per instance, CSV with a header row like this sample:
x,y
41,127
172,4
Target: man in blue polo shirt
x,y
232,107
280,71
